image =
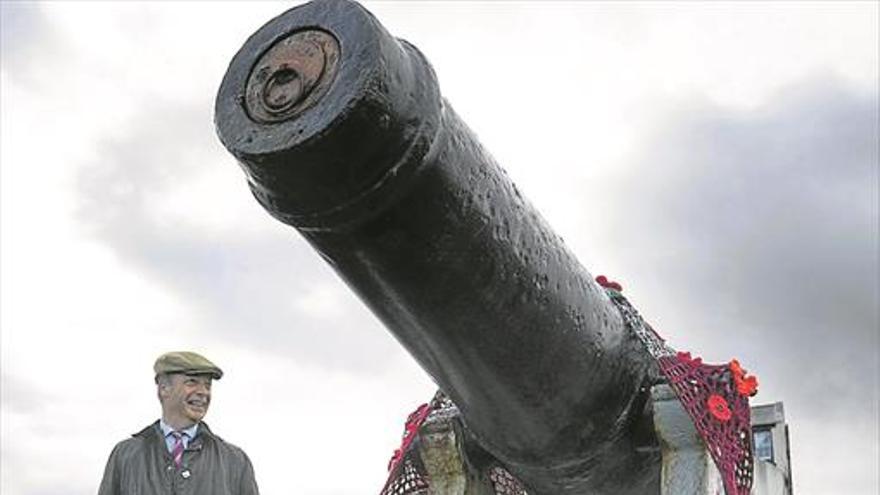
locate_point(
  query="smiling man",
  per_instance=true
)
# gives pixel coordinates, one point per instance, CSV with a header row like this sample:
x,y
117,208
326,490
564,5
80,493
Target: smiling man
x,y
178,454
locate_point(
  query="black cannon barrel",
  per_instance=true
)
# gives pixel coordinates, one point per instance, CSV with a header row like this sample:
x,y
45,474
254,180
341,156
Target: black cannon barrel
x,y
343,134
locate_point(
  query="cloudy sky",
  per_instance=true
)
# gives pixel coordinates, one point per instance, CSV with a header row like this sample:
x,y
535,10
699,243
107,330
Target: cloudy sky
x,y
720,159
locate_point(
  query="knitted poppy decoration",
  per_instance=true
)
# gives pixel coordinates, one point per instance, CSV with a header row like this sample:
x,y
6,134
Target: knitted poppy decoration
x,y
718,407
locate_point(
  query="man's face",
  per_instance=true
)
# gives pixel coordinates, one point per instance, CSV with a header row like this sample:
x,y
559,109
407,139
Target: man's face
x,y
185,399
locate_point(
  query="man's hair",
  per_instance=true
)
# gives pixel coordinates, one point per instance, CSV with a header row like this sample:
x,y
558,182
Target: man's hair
x,y
163,379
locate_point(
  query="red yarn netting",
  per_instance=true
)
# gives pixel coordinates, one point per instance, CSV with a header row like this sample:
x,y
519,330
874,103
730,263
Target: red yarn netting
x,y
404,478
716,397
720,413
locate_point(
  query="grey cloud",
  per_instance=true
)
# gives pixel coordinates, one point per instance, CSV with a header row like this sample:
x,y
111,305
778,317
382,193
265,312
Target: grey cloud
x,y
28,45
755,234
762,226
244,289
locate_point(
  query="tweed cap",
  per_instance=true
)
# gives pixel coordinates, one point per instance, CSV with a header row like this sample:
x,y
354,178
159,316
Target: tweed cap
x,y
188,363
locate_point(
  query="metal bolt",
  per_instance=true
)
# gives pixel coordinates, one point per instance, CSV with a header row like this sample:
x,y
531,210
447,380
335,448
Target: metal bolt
x,y
291,76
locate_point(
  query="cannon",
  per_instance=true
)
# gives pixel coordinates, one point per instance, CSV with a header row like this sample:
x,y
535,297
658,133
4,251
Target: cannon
x,y
343,133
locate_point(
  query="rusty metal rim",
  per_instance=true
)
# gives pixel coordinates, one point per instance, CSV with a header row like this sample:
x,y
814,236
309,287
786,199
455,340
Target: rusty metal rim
x,y
291,75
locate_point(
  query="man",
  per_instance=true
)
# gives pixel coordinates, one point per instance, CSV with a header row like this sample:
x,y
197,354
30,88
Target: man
x,y
178,454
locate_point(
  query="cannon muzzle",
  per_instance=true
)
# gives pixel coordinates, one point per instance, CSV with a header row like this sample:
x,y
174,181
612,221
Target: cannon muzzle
x,y
343,134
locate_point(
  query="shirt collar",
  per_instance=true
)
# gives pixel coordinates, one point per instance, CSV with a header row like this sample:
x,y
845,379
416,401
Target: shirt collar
x,y
167,430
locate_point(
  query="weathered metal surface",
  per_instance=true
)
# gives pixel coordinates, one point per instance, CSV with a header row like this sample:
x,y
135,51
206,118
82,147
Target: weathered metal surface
x,y
388,184
291,76
453,462
687,466
442,453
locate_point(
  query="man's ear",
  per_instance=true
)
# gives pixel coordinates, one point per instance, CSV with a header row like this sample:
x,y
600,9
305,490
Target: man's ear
x,y
162,388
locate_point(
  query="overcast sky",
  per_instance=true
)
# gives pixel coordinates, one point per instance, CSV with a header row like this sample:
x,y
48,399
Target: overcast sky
x,y
719,159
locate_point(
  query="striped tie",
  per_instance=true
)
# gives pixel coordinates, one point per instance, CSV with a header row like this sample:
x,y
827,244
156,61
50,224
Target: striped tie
x,y
177,450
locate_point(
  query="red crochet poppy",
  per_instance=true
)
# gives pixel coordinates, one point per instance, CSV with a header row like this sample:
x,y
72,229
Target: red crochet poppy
x,y
745,385
718,407
608,284
736,368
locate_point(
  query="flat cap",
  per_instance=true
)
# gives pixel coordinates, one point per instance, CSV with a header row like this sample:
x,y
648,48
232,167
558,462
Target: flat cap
x,y
188,363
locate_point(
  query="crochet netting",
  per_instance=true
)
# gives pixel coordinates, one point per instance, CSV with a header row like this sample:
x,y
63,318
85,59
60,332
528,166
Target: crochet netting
x,y
407,475
716,397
